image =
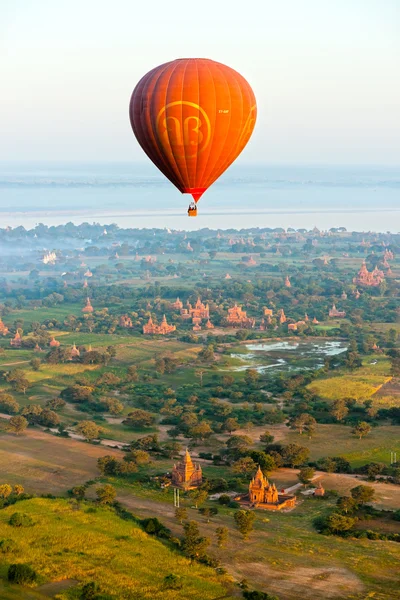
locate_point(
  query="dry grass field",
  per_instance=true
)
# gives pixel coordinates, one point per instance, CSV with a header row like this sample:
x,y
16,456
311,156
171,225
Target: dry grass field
x,y
43,463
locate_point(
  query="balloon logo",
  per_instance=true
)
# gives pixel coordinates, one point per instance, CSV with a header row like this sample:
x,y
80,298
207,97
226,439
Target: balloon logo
x,y
193,117
191,136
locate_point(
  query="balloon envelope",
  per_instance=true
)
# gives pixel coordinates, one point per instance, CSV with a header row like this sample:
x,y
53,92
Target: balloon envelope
x,y
193,117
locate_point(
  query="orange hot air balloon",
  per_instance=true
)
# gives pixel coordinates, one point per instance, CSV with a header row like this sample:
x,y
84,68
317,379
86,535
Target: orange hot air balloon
x,y
193,117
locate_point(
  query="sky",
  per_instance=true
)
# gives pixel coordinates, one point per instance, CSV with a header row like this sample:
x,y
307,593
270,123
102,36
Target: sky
x,y
326,74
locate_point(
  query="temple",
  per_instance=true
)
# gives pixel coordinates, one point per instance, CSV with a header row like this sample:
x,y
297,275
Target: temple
x,y
125,322
152,329
3,328
75,352
250,262
186,475
238,318
367,278
264,495
178,304
88,308
16,341
198,311
334,312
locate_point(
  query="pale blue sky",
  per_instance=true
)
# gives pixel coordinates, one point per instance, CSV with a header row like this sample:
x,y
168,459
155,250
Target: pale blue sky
x,y
326,74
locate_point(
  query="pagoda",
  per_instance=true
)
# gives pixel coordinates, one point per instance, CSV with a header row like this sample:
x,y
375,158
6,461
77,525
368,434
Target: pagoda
x,y
287,282
334,312
54,343
186,475
238,318
315,321
282,317
85,284
75,353
227,276
268,312
250,262
152,328
344,295
3,328
369,278
263,494
16,341
209,325
178,304
88,273
198,311
88,308
125,322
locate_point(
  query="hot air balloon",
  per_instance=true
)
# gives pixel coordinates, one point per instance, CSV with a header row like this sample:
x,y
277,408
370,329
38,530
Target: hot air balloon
x,y
193,117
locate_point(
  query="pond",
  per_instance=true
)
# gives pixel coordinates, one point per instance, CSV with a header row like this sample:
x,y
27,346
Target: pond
x,y
288,355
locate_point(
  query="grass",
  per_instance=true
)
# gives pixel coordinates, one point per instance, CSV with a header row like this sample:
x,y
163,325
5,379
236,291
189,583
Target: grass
x,y
117,554
359,384
44,463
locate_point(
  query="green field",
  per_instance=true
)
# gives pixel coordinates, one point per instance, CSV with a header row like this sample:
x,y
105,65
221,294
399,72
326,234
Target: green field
x,y
85,545
360,384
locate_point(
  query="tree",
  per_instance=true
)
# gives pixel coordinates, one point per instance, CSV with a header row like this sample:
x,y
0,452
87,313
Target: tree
x,y
251,377
361,429
244,520
266,437
49,418
199,374
362,494
89,429
295,455
108,465
18,489
21,573
194,545
306,474
19,519
254,595
198,496
181,514
77,393
18,381
171,449
55,404
346,504
139,457
207,354
17,424
78,492
139,418
303,423
35,364
5,491
230,425
339,409
221,533
339,523
264,460
8,404
113,406
132,373
106,494
244,466
200,431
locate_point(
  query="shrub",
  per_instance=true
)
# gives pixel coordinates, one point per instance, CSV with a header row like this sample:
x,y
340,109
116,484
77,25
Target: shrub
x,y
18,519
7,546
21,573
